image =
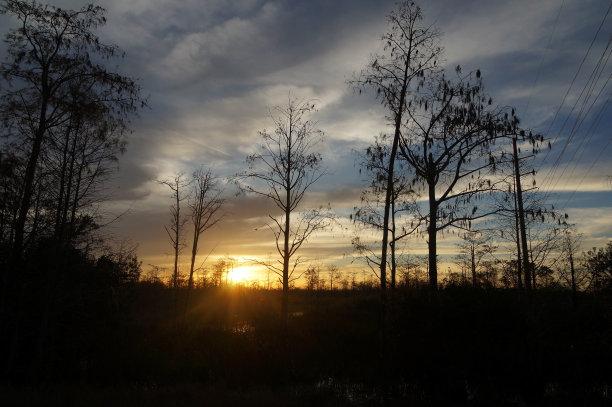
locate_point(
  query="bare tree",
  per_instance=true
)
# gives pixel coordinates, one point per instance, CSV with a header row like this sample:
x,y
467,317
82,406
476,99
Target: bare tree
x,y
286,166
509,229
544,239
334,275
313,277
403,203
474,249
219,269
79,159
177,185
411,50
413,270
450,146
540,222
153,275
205,204
570,245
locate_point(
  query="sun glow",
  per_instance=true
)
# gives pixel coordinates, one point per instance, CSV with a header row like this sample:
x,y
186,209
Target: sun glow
x,y
242,274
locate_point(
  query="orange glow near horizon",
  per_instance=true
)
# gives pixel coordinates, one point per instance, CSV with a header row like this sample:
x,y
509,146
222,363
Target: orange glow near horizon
x,y
244,273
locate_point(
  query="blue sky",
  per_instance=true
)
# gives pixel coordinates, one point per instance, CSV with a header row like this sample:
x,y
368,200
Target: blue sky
x,y
212,68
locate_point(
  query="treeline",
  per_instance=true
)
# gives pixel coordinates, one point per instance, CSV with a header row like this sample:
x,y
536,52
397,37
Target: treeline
x,y
65,117
592,273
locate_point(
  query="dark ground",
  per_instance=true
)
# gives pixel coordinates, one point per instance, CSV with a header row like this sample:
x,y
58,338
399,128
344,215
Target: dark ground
x,y
460,347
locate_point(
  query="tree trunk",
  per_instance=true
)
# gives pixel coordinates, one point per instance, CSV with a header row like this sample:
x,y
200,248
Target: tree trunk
x,y
194,251
62,186
75,201
393,259
176,241
433,266
532,265
432,243
432,229
473,266
28,183
286,254
285,299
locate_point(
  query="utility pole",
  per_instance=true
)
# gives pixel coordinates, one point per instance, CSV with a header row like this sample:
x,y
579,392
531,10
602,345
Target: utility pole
x,y
521,214
519,267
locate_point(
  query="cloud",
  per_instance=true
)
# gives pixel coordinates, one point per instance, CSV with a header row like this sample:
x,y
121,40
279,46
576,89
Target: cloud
x,y
595,223
484,30
213,68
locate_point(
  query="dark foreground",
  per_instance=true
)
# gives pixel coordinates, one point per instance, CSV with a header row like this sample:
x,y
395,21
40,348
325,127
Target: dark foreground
x,y
460,347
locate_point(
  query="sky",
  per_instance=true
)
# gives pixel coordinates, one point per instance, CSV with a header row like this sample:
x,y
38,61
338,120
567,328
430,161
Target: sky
x,y
211,69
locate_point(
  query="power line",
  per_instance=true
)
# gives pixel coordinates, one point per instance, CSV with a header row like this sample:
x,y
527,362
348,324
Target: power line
x,y
589,86
586,140
574,80
596,123
581,117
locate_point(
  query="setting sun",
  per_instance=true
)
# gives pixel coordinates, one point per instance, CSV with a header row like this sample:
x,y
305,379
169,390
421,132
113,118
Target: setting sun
x,y
241,274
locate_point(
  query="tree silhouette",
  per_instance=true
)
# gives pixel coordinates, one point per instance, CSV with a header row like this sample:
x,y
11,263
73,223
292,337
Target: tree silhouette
x,y
313,277
402,202
412,270
334,275
52,53
411,50
205,204
474,248
65,117
79,158
285,167
450,146
541,233
219,269
10,182
177,221
598,263
570,244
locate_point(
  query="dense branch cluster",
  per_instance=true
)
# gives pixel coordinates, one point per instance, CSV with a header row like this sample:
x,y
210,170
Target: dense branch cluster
x,y
65,118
